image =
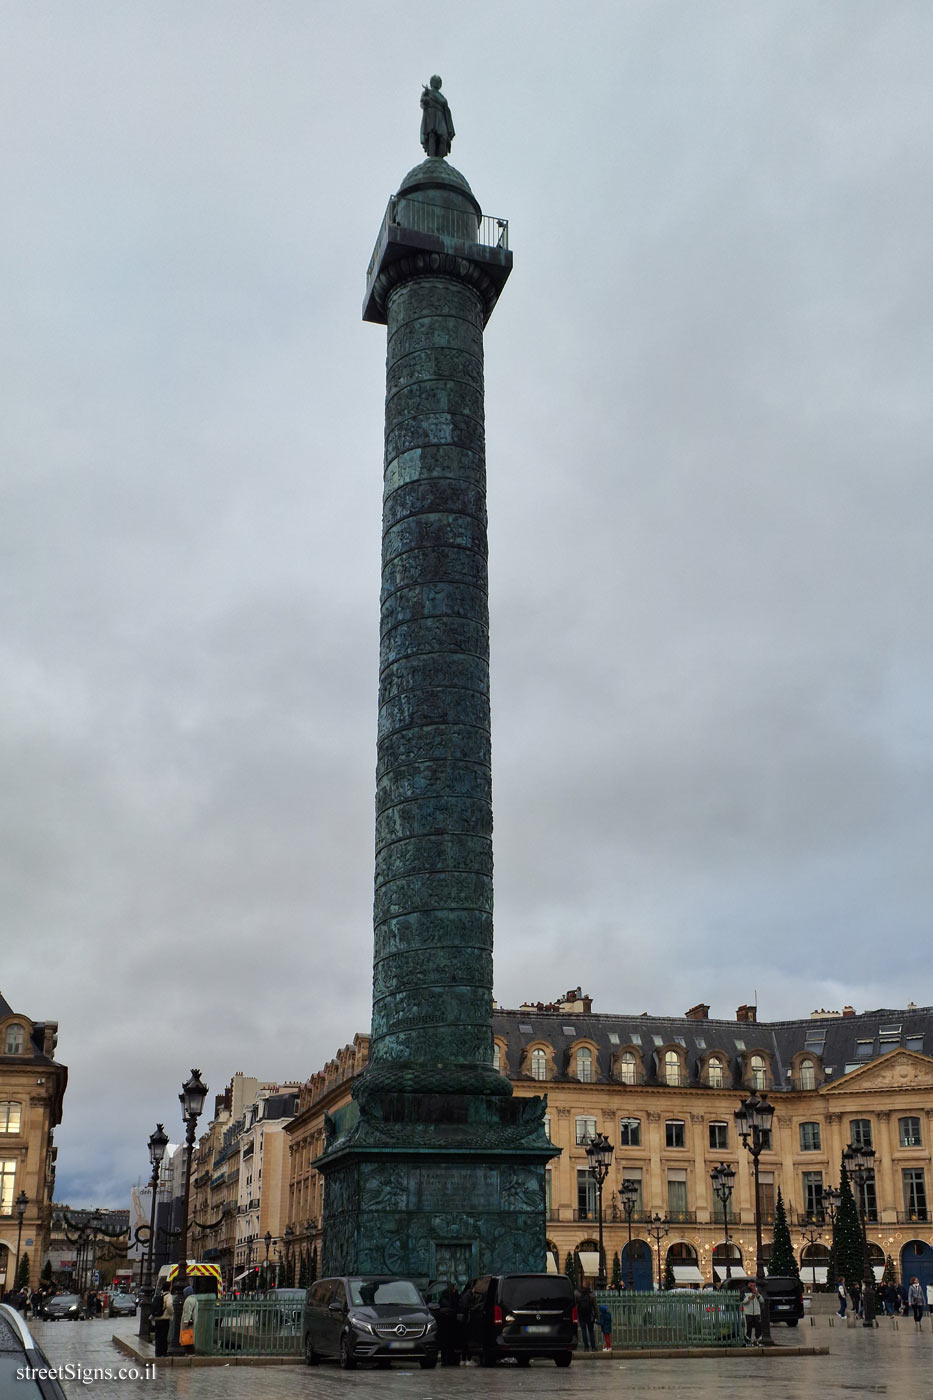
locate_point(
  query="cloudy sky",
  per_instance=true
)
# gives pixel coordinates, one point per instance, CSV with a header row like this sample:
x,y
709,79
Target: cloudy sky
x,y
710,500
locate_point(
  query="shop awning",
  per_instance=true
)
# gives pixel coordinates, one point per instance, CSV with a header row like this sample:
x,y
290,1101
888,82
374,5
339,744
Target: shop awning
x,y
736,1272
687,1273
551,1263
878,1270
808,1270
589,1262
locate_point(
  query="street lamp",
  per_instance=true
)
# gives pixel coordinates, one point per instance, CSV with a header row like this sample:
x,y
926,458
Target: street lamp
x,y
753,1123
192,1096
723,1179
158,1142
289,1236
267,1241
22,1201
657,1229
811,1233
599,1154
628,1193
860,1164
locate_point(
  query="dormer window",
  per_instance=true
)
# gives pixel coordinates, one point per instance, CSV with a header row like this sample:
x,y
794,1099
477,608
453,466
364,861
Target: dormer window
x,y
14,1041
585,1065
627,1067
714,1072
757,1073
672,1069
807,1074
538,1064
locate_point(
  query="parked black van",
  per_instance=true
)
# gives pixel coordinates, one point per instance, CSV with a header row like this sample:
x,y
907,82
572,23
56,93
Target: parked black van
x,y
785,1299
521,1315
368,1318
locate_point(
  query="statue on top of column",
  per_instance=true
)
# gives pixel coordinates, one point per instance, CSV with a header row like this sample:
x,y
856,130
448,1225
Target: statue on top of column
x,y
437,128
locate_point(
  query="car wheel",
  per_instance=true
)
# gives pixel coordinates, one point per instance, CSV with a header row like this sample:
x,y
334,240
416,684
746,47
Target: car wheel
x,y
488,1358
383,1363
347,1359
563,1358
427,1363
792,1321
311,1356
523,1360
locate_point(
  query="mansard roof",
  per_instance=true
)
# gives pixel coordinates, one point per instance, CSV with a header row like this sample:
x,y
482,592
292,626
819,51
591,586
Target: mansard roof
x,y
840,1044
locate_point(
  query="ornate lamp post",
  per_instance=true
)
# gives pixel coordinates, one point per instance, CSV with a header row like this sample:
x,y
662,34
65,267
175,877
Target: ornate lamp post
x,y
599,1155
22,1201
192,1096
267,1241
657,1229
723,1179
811,1232
753,1123
628,1194
289,1237
158,1142
860,1164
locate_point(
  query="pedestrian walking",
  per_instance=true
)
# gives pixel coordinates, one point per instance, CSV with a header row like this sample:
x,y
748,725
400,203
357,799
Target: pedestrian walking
x,y
605,1324
915,1299
843,1298
586,1316
162,1314
751,1307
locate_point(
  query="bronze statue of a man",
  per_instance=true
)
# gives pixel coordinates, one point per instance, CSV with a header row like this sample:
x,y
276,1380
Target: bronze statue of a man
x,y
437,128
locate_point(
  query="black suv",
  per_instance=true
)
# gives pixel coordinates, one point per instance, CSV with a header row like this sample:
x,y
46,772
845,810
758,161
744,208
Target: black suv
x,y
368,1318
785,1299
521,1315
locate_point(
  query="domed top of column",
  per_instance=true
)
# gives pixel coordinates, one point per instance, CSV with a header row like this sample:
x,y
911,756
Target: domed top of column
x,y
434,181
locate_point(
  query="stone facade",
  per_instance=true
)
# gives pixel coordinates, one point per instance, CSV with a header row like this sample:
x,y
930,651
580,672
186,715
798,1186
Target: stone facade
x,y
32,1088
830,1077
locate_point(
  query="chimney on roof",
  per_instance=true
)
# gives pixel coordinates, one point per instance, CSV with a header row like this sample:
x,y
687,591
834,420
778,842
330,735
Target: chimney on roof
x,y
747,1013
848,1011
700,1012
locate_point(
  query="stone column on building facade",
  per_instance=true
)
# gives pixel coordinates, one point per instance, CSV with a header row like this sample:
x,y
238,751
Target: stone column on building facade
x,y
655,1198
697,1190
885,1186
784,1174
834,1134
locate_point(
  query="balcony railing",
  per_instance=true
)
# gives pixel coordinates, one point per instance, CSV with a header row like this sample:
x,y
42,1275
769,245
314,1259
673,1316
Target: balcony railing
x,y
440,222
920,1216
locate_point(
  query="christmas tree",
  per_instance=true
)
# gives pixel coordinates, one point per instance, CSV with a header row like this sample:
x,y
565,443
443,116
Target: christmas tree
x,y
783,1262
848,1249
570,1268
616,1270
890,1272
22,1276
669,1279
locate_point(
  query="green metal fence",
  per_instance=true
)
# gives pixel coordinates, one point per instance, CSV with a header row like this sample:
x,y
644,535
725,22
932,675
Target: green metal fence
x,y
248,1327
703,1318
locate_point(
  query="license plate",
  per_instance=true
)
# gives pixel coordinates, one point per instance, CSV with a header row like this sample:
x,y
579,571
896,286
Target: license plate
x,y
401,1346
536,1329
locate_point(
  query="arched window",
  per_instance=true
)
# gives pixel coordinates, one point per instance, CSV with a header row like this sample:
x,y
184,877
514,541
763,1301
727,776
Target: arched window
x,y
496,1055
627,1063
714,1072
585,1065
11,1117
672,1067
15,1040
807,1074
538,1064
759,1076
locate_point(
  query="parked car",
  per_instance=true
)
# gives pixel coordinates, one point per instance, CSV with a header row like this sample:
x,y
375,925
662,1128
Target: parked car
x,y
63,1305
785,1299
122,1305
521,1315
368,1318
18,1349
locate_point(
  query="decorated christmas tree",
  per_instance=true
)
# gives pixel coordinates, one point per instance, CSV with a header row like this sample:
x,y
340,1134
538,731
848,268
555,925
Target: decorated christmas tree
x,y
669,1279
783,1263
616,1270
570,1269
847,1235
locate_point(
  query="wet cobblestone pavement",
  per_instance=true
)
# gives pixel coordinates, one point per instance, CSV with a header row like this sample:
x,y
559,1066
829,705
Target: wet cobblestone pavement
x,y
861,1362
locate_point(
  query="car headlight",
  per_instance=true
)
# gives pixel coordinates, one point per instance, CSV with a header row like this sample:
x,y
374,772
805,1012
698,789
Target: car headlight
x,y
432,1326
360,1324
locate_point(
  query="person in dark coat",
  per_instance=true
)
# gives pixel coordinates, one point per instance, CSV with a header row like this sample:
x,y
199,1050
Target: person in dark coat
x,y
448,1326
586,1316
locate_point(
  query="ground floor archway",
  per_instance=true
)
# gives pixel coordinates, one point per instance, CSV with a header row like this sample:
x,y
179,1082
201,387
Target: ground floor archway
x,y
638,1266
917,1262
